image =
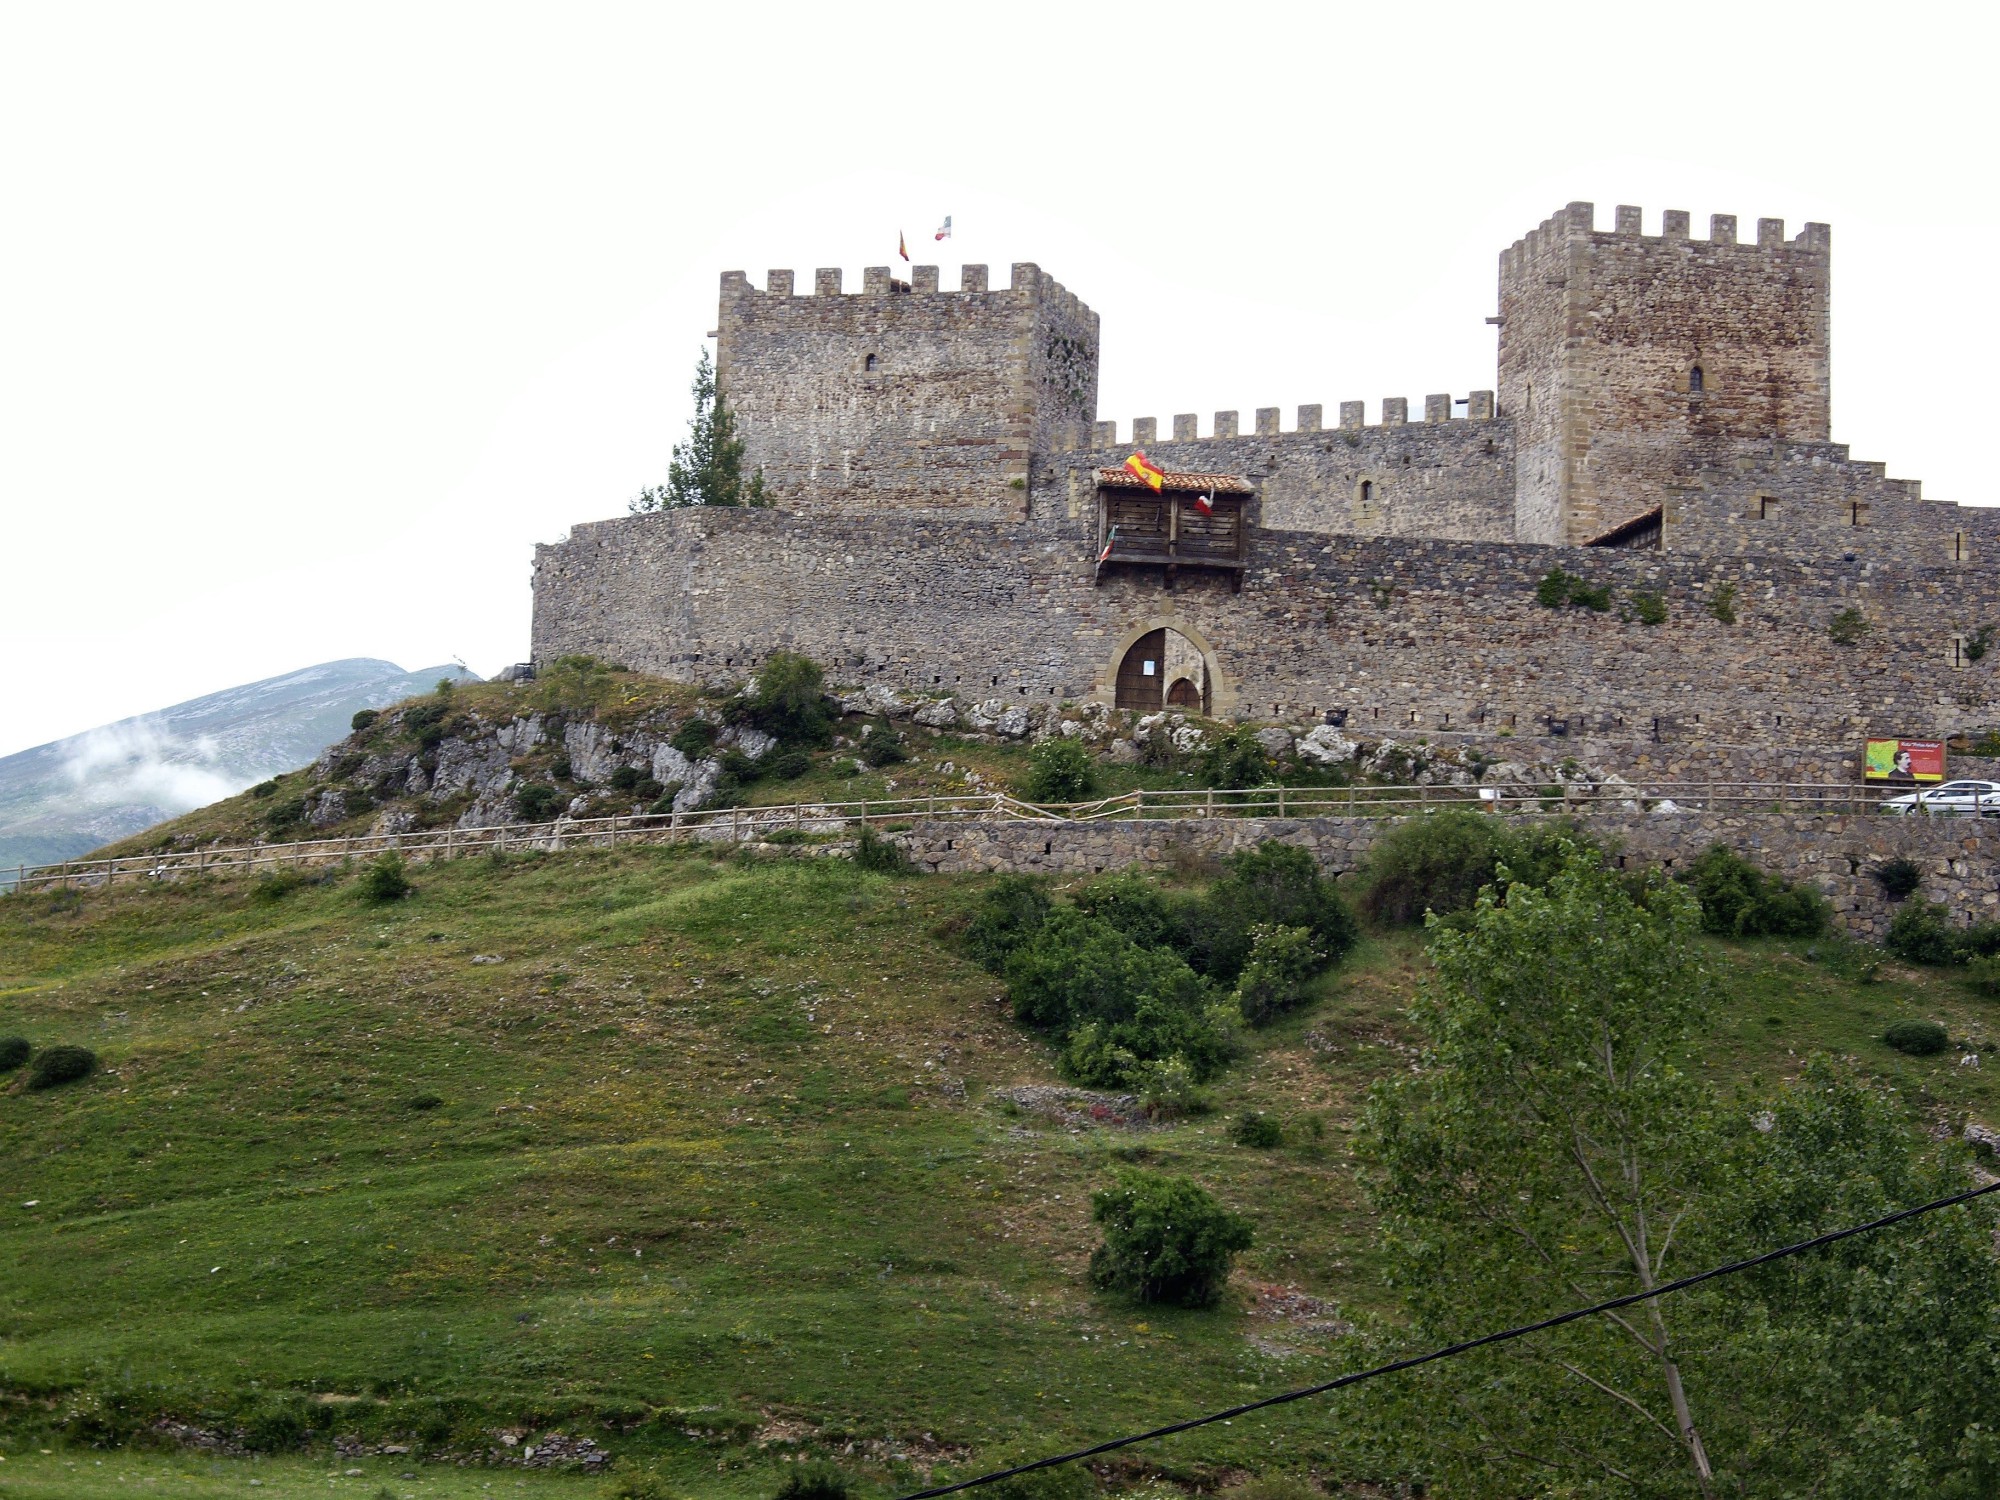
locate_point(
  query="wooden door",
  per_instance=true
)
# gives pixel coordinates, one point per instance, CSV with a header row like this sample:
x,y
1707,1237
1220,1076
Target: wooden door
x,y
1141,676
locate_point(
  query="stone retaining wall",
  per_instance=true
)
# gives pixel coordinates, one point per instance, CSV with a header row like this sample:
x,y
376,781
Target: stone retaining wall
x,y
1834,853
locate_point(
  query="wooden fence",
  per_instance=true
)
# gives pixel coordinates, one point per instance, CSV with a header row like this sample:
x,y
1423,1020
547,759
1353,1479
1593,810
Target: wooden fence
x,y
809,819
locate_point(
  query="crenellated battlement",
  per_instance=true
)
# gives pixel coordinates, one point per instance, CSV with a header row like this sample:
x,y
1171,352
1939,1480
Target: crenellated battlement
x,y
1555,233
1395,412
1026,280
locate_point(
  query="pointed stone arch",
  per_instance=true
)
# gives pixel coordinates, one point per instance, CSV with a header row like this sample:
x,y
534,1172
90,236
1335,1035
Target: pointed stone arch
x,y
1219,688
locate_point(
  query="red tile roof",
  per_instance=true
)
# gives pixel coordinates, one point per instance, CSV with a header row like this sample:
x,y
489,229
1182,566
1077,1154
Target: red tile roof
x,y
1222,484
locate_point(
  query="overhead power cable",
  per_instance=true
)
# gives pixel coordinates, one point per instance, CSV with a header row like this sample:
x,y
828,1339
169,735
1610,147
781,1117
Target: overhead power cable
x,y
1451,1350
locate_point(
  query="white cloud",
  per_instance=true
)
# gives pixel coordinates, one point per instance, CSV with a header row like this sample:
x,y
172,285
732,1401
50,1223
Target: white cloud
x,y
143,763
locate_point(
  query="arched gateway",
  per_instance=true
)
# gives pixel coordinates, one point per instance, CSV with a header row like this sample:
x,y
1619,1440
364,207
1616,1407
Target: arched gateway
x,y
1163,668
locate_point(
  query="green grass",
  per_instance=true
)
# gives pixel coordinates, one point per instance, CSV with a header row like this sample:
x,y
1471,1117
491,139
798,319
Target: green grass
x,y
702,1185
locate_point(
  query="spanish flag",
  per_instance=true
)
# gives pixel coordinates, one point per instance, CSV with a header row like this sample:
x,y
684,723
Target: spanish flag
x,y
1147,470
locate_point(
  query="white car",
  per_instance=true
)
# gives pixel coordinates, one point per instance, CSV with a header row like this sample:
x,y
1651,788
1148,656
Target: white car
x,y
1951,799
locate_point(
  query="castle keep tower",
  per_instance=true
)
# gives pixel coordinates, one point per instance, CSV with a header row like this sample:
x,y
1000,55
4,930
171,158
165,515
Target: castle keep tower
x,y
904,398
1630,362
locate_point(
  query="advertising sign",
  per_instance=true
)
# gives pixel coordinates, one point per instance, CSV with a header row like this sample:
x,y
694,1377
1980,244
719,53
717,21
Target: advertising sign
x,y
1904,760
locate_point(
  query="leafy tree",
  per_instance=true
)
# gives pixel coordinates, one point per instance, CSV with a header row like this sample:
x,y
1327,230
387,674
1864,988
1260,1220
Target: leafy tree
x,y
1550,1151
1275,884
1009,914
707,469
1165,1240
788,700
1740,900
1282,963
1060,770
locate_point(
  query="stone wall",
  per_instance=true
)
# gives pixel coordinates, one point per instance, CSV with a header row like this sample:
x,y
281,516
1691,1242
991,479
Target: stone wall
x,y
1425,636
1834,854
1441,477
1601,335
903,397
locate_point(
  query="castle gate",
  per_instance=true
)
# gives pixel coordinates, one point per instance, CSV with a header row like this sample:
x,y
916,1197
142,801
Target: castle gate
x,y
1161,669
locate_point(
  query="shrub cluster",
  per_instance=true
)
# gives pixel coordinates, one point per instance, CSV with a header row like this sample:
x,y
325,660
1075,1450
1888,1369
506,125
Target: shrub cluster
x,y
787,700
1739,900
874,853
1561,590
1918,1038
383,880
1921,932
59,1065
1898,877
14,1051
1143,989
1255,1128
1060,770
1440,863
1165,1240
882,746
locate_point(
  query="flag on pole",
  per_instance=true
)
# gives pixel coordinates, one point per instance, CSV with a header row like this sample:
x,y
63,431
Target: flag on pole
x,y
1109,542
1205,503
944,229
1147,470
902,249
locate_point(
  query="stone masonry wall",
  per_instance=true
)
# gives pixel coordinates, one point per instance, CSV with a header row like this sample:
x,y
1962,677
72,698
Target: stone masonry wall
x,y
902,397
1812,500
1834,854
1615,324
1441,477
1430,636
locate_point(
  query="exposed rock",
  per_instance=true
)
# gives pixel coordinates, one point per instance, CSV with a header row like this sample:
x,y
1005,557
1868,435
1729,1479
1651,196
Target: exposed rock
x,y
752,742
593,751
489,812
1327,746
393,820
416,780
877,699
327,808
985,715
1013,724
521,735
477,766
1275,742
942,714
1188,739
1123,753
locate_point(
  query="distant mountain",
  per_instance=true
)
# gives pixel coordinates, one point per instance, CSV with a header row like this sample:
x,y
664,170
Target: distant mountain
x,y
70,796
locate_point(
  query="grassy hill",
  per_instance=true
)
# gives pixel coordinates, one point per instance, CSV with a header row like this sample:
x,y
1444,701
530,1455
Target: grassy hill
x,y
712,1161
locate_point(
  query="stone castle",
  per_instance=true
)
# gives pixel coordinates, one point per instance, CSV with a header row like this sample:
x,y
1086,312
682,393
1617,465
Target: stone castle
x,y
943,494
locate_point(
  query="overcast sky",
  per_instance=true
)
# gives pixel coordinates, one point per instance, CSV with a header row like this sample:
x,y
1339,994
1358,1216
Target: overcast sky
x,y
315,319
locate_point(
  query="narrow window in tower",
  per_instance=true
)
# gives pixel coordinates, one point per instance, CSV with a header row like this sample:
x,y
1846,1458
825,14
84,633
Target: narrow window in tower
x,y
1367,491
1859,514
1695,381
869,364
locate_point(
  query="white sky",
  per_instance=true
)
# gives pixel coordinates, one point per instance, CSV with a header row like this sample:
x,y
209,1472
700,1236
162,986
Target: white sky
x,y
314,319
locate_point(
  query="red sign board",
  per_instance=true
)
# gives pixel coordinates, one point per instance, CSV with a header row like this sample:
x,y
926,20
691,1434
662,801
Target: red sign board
x,y
1904,760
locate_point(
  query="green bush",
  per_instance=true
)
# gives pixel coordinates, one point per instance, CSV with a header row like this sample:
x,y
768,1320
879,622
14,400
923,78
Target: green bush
x,y
1649,607
1255,1128
1275,884
1135,906
882,746
1980,940
1437,863
1561,590
1165,1240
1722,603
363,718
1918,1038
274,885
635,1486
537,802
423,1102
1234,759
1060,770
1278,976
625,778
1009,914
1063,1482
788,699
789,765
54,1066
1898,877
664,803
14,1051
1168,1089
1847,627
1115,1004
561,769
1739,900
384,879
1984,976
1921,933
813,1481
694,739
877,855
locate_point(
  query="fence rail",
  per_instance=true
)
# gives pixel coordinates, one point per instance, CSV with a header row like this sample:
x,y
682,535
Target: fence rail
x,y
809,819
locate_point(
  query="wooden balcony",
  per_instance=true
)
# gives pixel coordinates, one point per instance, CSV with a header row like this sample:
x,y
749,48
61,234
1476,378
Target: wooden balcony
x,y
1170,528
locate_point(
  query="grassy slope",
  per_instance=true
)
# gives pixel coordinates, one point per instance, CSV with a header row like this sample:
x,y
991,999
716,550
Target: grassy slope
x,y
695,1164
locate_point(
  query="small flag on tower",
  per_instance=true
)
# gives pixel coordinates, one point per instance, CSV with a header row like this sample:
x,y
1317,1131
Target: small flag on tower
x,y
1109,542
1205,503
1147,470
902,248
944,229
